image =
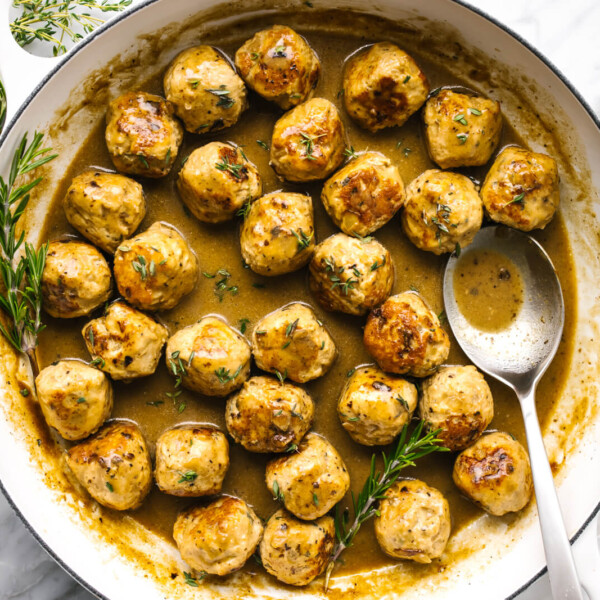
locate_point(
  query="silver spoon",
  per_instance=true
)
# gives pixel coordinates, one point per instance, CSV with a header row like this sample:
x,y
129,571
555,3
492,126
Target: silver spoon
x,y
518,356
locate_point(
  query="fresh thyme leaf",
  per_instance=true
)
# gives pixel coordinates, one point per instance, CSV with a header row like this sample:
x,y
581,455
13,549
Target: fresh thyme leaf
x,y
518,200
263,145
245,209
442,318
236,169
403,402
308,141
414,288
223,374
303,240
461,119
223,94
143,160
81,400
222,286
155,403
289,330
194,83
335,276
278,494
406,152
292,448
139,266
279,52
376,265
110,487
315,499
350,152
254,55
406,79
462,138
475,111
281,376
351,372
244,325
193,581
188,476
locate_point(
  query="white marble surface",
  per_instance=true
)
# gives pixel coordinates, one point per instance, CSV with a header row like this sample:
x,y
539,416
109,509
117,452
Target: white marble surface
x,y
566,32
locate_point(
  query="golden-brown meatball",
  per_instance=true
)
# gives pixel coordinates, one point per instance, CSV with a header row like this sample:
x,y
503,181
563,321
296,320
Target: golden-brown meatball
x,y
375,406
351,275
142,135
311,481
278,233
278,64
269,416
461,130
521,189
383,87
125,343
218,538
75,281
442,211
308,141
413,521
216,181
364,195
210,357
295,551
106,208
114,465
206,92
405,337
495,474
191,460
458,401
155,269
292,342
75,398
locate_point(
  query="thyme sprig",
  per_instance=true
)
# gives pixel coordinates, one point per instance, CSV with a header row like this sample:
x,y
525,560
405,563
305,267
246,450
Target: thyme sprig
x,y
308,141
404,454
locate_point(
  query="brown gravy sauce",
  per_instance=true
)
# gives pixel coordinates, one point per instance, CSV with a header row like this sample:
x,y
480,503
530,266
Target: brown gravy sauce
x,y
217,247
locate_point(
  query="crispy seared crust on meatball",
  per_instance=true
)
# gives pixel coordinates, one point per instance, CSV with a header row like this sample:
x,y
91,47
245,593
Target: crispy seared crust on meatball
x,y
75,281
269,416
216,181
277,235
458,401
364,195
374,406
308,141
214,356
104,207
383,87
142,135
218,538
405,337
75,398
351,275
295,551
155,269
206,92
442,210
125,343
495,474
413,522
311,481
114,466
278,64
292,341
191,460
461,130
521,189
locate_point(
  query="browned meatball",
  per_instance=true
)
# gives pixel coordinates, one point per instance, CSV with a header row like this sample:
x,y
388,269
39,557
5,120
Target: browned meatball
x,y
142,135
405,336
278,64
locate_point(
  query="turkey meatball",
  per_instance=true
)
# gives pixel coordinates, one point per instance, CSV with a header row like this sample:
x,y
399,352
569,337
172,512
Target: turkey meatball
x,y
383,87
351,275
211,357
191,460
291,341
142,135
216,181
269,416
311,481
521,189
125,343
364,195
76,280
295,551
442,212
75,398
106,208
405,337
495,474
114,466
277,235
461,130
458,401
155,269
375,406
218,538
279,65
308,142
206,92
413,522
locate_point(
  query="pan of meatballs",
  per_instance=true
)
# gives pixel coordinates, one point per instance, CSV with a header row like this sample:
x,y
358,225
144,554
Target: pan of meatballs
x,y
247,225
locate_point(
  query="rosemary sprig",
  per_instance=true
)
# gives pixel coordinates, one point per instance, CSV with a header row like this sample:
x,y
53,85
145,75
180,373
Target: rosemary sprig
x,y
404,454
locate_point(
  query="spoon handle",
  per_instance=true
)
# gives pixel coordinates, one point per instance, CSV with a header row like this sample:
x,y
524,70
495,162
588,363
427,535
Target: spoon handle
x,y
561,567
